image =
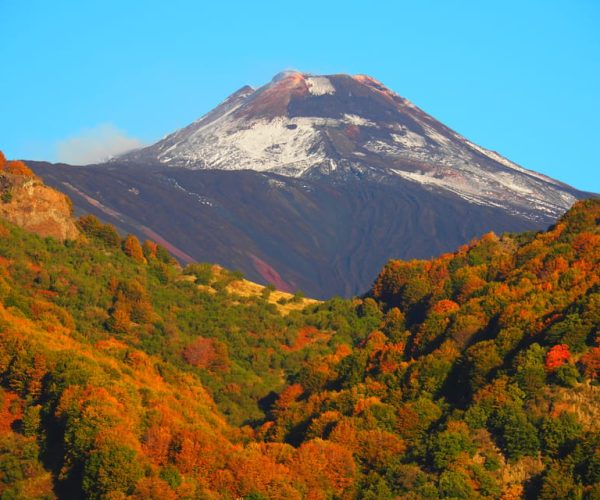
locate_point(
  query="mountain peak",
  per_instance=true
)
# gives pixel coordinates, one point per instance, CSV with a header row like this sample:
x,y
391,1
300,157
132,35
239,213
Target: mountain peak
x,y
287,73
318,85
348,127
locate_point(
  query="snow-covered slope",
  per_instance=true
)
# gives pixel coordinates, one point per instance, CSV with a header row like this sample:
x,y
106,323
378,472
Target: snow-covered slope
x,y
342,126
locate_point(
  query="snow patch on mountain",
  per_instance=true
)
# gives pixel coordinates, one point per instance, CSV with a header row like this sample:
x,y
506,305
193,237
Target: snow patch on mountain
x,y
320,85
201,199
507,163
358,120
500,189
289,146
409,139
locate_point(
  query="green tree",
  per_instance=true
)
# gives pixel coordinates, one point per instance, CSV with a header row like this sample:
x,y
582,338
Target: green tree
x,y
448,445
530,372
573,331
455,485
518,436
559,435
111,468
32,420
558,484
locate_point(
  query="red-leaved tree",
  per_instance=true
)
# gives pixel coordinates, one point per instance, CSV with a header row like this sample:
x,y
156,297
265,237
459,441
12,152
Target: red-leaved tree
x,y
557,356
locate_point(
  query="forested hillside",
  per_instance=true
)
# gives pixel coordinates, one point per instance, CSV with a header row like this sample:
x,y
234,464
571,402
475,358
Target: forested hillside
x,y
473,375
481,378
123,374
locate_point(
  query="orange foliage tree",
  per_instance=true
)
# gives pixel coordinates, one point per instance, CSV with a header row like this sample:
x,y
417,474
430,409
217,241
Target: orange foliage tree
x,y
591,362
149,248
326,468
133,249
557,356
208,354
15,167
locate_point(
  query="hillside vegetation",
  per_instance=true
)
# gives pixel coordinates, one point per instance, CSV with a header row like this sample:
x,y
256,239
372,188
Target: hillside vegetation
x,y
481,378
473,375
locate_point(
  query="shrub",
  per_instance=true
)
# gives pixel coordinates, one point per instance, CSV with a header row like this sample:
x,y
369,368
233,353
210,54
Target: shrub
x,y
105,233
7,196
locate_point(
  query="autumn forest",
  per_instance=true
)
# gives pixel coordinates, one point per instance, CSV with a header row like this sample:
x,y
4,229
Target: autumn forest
x,y
471,375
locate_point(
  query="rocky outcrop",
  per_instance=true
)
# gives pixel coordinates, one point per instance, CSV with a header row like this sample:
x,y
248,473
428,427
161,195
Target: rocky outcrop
x,y
27,202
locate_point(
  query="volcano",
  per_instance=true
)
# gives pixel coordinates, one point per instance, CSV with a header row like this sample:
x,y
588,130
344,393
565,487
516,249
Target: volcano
x,y
342,126
313,182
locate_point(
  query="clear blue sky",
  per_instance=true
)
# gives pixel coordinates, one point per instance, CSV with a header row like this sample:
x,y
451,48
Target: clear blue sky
x,y
519,77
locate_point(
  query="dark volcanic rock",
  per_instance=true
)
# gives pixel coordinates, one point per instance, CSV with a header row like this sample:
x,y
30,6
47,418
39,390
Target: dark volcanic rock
x,y
323,237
